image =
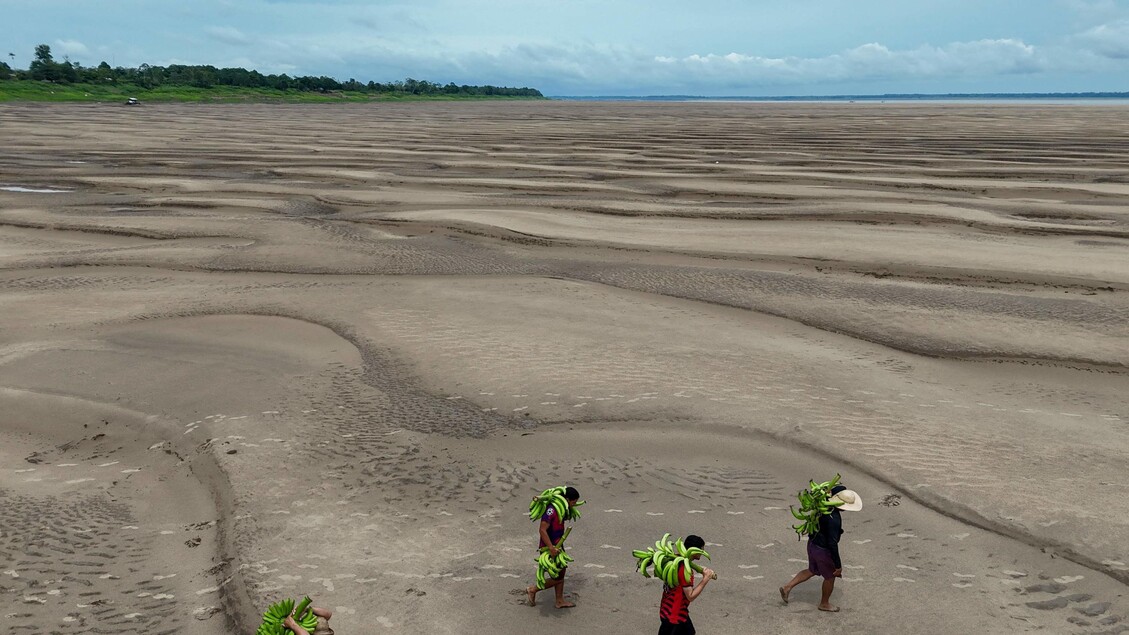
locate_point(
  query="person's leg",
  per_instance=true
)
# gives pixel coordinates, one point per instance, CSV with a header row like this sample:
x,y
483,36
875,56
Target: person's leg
x,y
561,602
802,576
824,602
532,590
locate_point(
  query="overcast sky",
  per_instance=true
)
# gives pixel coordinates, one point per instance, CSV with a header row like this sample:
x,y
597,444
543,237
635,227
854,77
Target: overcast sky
x,y
609,47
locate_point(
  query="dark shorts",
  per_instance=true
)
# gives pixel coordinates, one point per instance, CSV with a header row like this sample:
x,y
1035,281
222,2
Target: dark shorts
x,y
685,628
820,562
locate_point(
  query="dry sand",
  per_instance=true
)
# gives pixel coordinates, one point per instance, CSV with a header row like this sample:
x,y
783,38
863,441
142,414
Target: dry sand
x,y
253,351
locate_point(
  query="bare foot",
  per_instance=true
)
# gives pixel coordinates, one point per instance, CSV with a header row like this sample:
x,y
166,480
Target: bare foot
x,y
784,594
532,592
565,604
828,608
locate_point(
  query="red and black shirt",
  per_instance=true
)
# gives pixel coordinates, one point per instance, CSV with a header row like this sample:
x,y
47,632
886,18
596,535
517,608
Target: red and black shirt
x,y
556,526
675,608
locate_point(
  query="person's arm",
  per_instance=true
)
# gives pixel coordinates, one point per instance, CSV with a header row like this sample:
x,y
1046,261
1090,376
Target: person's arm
x,y
545,537
693,593
322,613
294,626
831,538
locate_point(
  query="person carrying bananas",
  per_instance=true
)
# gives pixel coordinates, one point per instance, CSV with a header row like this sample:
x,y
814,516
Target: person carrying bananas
x,y
551,530
674,610
823,549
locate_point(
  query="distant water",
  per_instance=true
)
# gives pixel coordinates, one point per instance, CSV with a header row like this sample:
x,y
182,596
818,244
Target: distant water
x,y
985,98
34,190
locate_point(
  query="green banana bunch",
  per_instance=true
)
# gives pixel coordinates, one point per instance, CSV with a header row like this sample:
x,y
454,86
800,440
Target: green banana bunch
x,y
550,565
276,613
814,504
667,559
553,497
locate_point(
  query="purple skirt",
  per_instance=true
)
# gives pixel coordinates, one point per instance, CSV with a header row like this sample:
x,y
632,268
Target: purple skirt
x,y
820,562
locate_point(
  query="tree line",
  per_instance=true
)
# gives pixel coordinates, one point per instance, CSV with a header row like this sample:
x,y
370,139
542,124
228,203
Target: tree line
x,y
45,68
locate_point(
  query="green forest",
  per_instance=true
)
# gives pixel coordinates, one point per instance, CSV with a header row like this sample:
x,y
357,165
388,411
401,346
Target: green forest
x,y
51,80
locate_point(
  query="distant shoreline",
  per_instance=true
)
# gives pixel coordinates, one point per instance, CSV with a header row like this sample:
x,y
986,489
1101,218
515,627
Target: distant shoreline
x,y
29,91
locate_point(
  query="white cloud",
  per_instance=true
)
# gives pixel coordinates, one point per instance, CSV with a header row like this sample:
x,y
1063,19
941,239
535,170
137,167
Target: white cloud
x,y
228,35
70,47
1109,40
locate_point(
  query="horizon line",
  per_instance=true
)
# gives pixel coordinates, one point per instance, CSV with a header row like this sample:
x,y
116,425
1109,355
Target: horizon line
x,y
1098,94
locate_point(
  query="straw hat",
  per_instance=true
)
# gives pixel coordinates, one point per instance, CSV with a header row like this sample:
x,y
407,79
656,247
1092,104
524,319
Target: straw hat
x,y
852,502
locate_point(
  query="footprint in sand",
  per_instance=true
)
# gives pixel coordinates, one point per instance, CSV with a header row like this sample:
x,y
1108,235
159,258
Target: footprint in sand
x,y
592,565
654,513
1067,579
78,480
769,509
508,575
606,575
766,546
748,566
613,511
964,575
610,547
907,567
753,577
695,511
902,580
734,513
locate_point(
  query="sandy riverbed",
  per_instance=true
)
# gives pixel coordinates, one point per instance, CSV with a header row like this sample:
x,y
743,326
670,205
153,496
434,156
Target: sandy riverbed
x,y
250,351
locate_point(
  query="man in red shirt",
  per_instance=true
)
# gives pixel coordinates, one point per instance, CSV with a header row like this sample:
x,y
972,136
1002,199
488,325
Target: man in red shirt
x,y
551,531
674,611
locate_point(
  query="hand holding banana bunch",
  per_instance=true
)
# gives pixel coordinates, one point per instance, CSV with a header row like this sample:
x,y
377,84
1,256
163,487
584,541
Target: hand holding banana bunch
x,y
276,613
553,497
814,504
551,565
668,560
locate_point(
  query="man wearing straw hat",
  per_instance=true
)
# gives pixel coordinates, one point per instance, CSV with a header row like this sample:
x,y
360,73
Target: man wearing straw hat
x,y
823,549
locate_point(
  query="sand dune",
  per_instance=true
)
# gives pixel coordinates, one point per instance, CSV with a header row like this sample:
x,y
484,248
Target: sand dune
x,y
333,350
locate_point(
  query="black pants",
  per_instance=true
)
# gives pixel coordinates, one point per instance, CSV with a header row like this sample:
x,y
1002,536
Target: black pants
x,y
685,628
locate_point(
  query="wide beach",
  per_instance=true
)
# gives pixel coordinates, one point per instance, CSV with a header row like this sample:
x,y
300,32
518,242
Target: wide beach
x,y
251,351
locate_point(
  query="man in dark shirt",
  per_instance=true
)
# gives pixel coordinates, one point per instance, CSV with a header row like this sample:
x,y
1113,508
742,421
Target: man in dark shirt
x,y
823,549
552,529
674,610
